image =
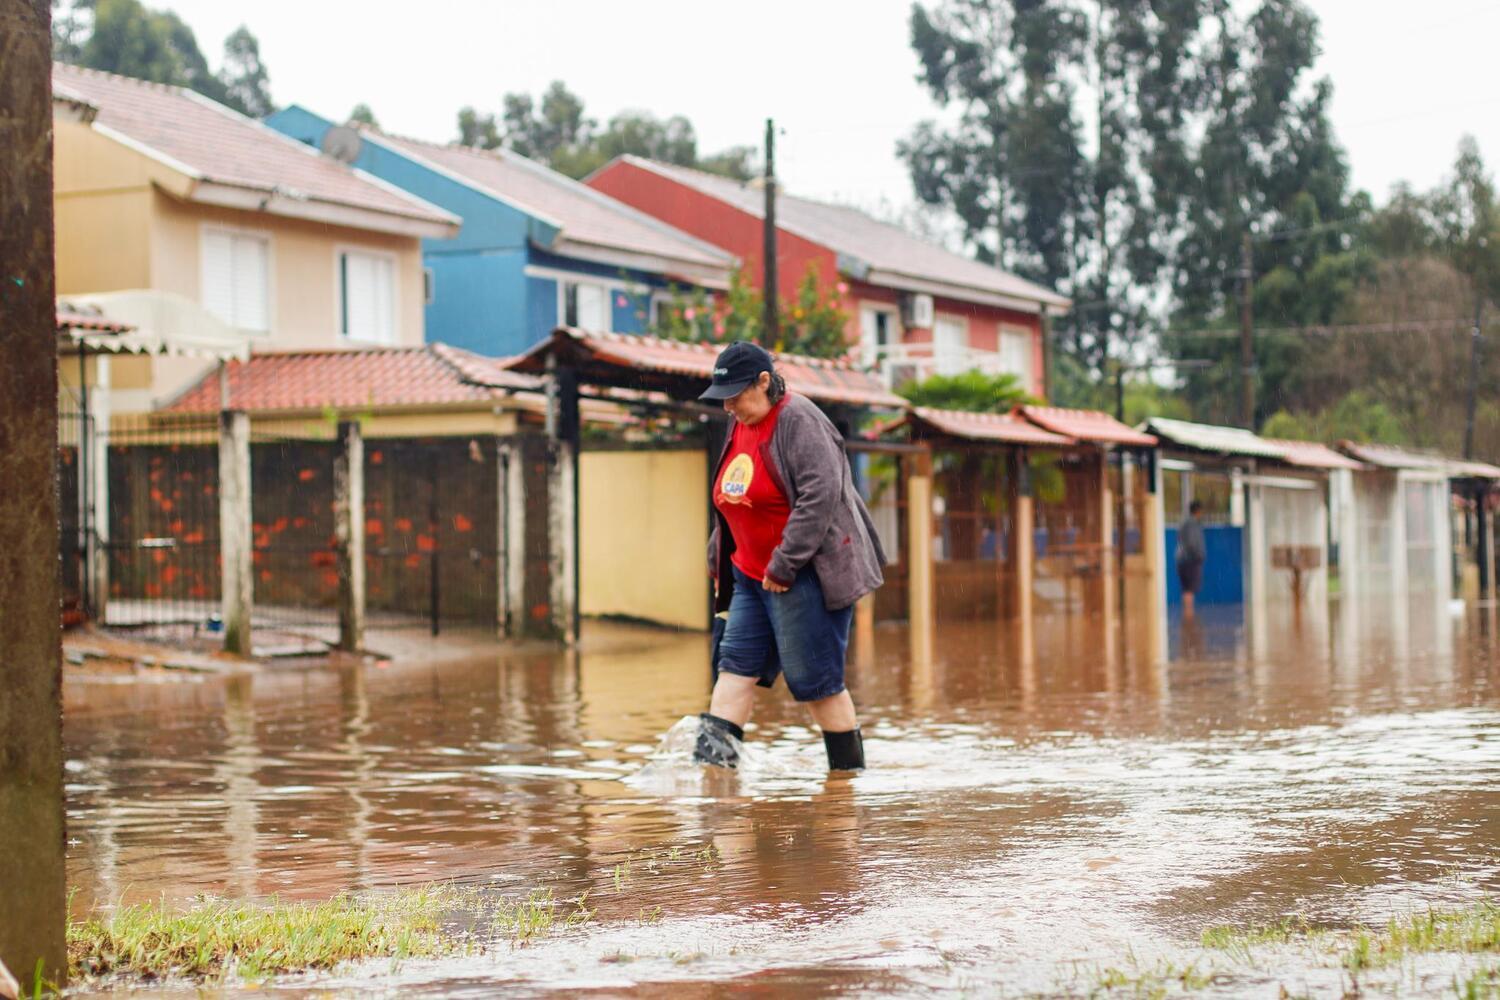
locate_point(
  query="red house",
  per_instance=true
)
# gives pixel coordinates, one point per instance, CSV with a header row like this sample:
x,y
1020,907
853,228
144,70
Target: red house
x,y
914,308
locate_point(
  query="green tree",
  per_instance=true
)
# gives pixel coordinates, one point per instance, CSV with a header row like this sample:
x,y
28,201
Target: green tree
x,y
972,390
812,324
557,132
243,75
129,39
362,115
1358,416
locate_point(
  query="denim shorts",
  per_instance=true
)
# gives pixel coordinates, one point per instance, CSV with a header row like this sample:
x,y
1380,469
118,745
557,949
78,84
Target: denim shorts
x,y
808,640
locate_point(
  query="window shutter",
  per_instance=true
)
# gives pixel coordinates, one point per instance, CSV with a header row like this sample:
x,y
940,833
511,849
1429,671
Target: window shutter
x,y
218,275
369,296
593,308
251,283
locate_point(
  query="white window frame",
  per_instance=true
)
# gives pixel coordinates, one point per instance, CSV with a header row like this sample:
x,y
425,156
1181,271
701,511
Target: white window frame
x,y
1028,375
266,237
609,300
429,286
960,361
870,351
339,251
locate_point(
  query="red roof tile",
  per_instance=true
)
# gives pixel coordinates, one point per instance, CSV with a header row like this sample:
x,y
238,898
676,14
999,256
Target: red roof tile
x,y
221,145
613,357
1003,428
1086,425
1312,455
432,375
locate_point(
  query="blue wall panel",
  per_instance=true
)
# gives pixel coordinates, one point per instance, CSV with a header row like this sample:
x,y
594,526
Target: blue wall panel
x,y
541,309
1223,569
479,302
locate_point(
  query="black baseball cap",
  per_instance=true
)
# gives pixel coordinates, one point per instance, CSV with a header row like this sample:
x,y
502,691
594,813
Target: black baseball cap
x,y
737,366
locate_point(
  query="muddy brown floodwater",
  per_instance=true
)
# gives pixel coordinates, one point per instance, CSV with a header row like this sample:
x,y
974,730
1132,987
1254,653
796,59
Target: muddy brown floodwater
x,y
1021,825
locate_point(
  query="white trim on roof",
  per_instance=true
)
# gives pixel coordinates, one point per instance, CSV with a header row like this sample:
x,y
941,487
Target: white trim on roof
x,y
150,152
961,293
603,200
297,206
638,260
395,145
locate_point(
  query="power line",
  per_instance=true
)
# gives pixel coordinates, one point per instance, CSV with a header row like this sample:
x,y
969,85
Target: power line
x,y
1461,325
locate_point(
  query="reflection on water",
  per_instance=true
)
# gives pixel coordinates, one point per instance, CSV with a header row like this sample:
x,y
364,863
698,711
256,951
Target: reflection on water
x,y
1024,808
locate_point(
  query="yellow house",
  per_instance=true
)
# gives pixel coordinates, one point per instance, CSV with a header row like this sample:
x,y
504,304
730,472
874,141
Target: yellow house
x,y
171,207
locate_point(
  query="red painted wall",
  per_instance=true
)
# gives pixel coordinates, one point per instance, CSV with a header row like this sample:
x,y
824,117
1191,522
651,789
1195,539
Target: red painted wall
x,y
725,226
713,221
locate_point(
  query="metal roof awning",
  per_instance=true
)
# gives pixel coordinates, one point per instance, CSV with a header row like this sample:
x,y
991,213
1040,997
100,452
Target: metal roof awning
x,y
1312,455
1228,441
682,370
986,428
1384,456
1090,426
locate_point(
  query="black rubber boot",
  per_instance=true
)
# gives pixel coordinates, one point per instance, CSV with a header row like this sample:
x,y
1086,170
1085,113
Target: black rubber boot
x,y
846,751
715,745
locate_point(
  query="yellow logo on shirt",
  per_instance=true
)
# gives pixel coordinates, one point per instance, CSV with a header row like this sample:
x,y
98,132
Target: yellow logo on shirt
x,y
736,482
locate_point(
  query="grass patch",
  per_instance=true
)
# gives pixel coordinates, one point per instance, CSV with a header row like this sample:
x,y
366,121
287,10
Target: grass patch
x,y
1472,930
216,939
1484,984
213,938
1242,939
1153,982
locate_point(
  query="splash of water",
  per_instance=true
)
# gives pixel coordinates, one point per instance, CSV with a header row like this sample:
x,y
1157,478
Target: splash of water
x,y
670,768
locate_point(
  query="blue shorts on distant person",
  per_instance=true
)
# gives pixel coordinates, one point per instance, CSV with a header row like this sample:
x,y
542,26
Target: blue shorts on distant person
x,y
790,634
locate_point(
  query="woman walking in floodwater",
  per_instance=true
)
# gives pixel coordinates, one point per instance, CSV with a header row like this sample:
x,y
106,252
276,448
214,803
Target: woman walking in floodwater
x,y
792,549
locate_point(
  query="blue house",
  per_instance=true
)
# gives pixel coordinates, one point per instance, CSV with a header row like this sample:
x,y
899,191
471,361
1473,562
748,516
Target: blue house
x,y
536,249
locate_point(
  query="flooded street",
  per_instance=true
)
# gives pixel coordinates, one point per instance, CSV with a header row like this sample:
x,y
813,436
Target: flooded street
x,y
1022,826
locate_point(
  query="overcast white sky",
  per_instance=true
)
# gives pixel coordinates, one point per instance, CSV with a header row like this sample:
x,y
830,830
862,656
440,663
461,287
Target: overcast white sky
x,y
838,75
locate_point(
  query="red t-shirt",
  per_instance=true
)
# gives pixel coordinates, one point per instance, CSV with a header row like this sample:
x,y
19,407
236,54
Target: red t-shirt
x,y
750,501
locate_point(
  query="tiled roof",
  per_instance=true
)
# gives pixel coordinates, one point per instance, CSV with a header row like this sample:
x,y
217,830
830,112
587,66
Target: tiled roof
x,y
1312,455
583,214
614,358
1086,425
849,231
1004,428
432,375
214,143
1212,438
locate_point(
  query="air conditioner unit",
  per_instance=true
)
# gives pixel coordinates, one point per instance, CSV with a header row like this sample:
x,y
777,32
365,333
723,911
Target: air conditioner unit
x,y
916,310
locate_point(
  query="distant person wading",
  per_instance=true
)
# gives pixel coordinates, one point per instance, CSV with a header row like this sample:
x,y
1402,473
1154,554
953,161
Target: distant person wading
x,y
1191,553
792,549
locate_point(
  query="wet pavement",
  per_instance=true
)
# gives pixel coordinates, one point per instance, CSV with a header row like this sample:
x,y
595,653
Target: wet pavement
x,y
1026,821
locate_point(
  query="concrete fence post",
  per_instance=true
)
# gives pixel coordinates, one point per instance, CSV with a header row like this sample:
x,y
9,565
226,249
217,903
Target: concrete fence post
x,y
349,529
33,917
919,556
234,529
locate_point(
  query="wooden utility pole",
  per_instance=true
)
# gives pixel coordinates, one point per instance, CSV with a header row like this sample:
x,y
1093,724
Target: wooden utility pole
x,y
31,763
769,287
1247,337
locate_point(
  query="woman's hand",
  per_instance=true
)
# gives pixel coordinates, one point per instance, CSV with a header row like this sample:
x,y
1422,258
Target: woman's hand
x,y
773,586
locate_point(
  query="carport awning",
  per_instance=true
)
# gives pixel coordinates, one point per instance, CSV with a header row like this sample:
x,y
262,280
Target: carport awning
x,y
997,428
1090,426
1387,457
1312,455
682,370
1215,440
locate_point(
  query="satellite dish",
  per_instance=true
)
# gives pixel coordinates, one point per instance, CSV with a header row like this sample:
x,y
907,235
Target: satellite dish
x,y
342,143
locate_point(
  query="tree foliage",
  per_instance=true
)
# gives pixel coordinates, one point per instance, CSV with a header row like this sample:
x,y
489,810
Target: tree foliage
x,y
362,115
1119,150
556,131
972,390
812,323
125,37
